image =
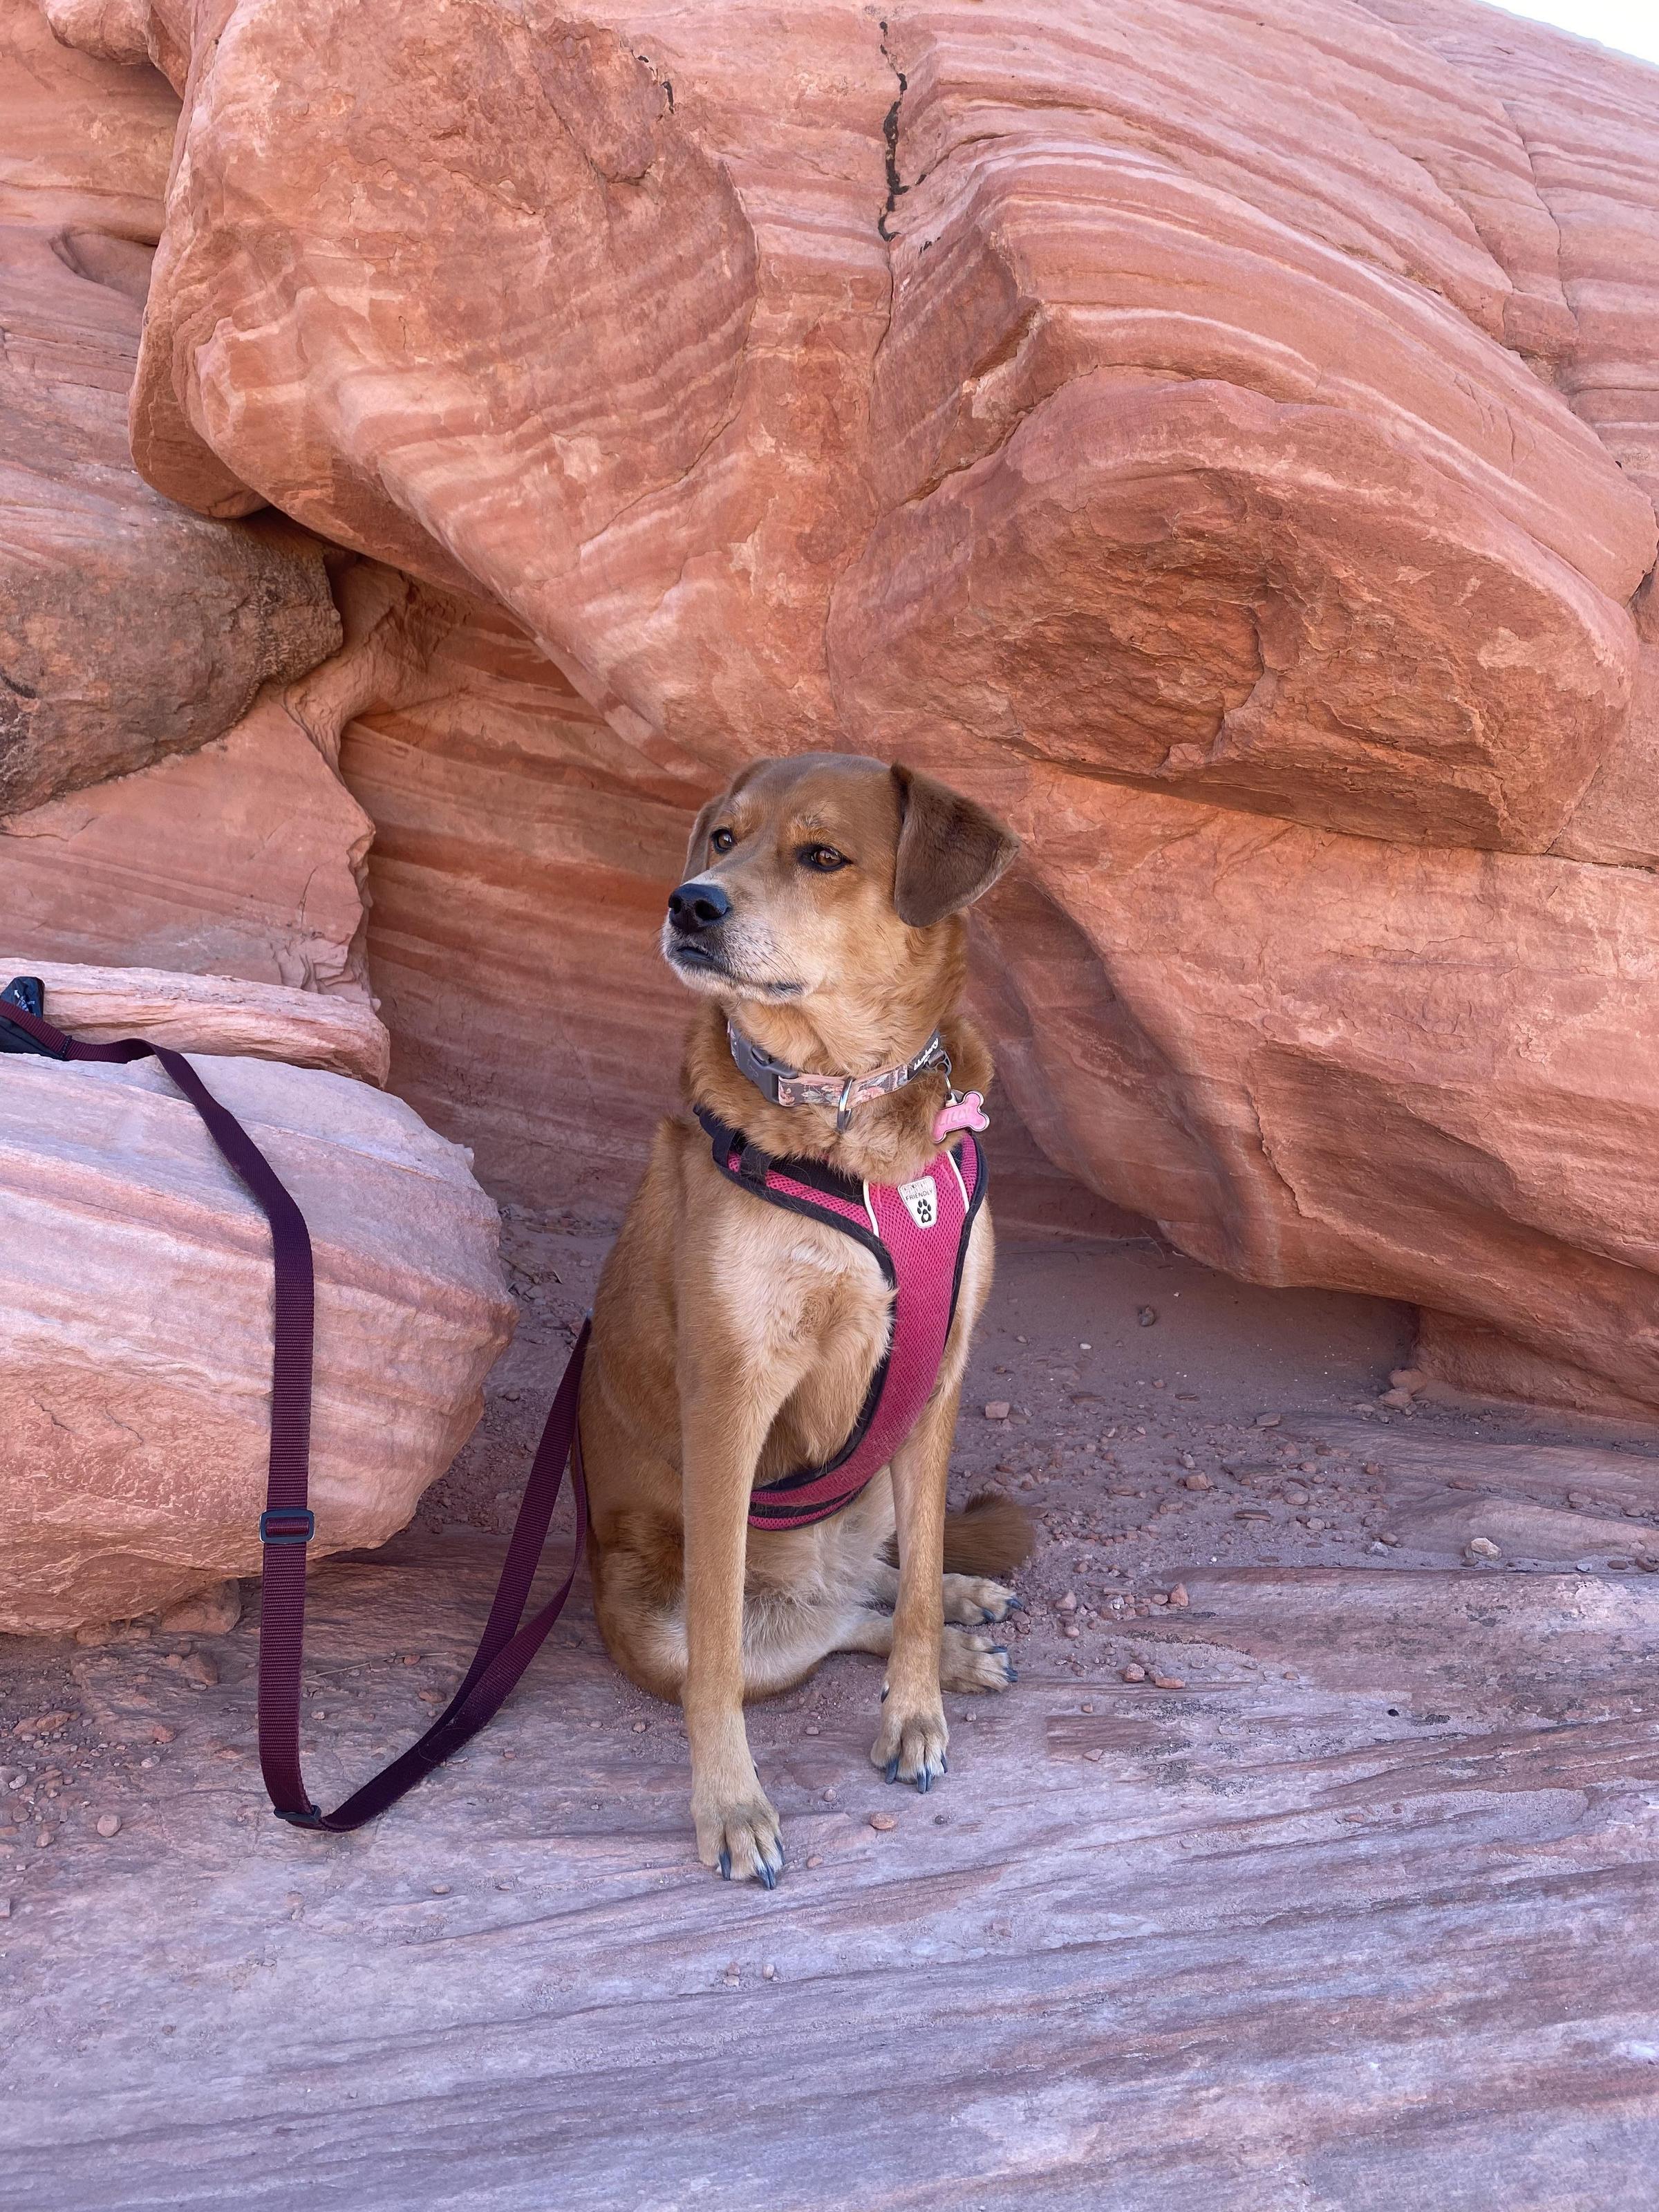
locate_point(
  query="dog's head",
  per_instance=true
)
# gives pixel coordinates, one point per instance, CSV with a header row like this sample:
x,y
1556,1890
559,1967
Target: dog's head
x,y
811,874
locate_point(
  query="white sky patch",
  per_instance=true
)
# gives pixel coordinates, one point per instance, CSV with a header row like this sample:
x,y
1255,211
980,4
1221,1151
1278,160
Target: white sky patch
x,y
1632,25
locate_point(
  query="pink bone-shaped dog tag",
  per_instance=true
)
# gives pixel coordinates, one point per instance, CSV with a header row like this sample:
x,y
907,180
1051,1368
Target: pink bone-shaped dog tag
x,y
965,1113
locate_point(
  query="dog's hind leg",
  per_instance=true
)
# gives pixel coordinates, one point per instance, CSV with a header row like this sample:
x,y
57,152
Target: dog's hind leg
x,y
640,1603
785,1636
970,1599
966,1661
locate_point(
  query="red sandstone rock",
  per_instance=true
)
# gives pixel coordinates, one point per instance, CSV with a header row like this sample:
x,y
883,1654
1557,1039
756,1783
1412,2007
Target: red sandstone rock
x,y
1587,122
129,629
240,858
1065,194
1312,1060
135,1349
1617,820
1218,439
1189,584
111,30
84,146
1491,1364
1323,1059
521,854
727,244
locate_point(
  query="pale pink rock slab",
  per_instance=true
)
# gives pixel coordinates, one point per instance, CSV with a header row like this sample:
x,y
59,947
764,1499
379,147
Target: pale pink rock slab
x,y
135,1326
211,1014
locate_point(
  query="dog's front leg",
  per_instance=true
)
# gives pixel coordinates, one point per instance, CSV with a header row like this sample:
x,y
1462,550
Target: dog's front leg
x,y
911,1741
725,1418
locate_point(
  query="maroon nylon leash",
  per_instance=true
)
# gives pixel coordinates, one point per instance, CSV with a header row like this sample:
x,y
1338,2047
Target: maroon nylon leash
x,y
288,1524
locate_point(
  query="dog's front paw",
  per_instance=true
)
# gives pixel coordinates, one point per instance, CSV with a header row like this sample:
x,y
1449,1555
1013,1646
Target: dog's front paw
x,y
740,1835
974,1599
910,1746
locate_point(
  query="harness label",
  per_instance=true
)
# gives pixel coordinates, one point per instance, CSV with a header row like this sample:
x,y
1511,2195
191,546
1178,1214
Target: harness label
x,y
920,1200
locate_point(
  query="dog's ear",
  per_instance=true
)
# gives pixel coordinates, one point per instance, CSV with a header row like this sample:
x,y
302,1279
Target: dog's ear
x,y
950,850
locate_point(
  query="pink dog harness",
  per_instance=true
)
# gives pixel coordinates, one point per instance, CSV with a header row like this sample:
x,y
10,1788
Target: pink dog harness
x,y
918,1233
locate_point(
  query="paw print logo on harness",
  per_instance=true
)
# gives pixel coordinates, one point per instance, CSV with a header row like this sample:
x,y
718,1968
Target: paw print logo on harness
x,y
920,1200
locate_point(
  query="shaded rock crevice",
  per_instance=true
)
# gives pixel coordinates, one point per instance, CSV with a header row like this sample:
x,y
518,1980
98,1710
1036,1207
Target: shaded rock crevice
x,y
889,130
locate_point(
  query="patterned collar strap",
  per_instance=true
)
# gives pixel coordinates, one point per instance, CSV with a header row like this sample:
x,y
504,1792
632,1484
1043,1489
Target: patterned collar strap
x,y
784,1086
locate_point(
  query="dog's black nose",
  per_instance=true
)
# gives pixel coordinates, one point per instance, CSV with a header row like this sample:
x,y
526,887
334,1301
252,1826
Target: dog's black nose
x,y
698,906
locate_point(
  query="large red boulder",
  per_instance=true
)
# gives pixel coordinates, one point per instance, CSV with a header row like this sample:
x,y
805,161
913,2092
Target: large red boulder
x,y
1226,440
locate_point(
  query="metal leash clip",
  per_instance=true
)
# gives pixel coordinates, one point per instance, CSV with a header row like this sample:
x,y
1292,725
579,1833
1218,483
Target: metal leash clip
x,y
29,993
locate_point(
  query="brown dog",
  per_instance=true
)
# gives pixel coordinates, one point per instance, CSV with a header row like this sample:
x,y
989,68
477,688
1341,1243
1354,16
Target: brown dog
x,y
733,1342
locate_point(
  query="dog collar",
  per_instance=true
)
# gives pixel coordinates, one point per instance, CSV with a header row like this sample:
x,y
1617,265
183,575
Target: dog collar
x,y
784,1086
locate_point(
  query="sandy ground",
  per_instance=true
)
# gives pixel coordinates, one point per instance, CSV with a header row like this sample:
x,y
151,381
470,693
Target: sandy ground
x,y
1309,1864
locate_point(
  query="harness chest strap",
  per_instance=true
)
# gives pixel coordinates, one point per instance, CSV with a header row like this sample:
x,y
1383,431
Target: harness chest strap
x,y
918,1233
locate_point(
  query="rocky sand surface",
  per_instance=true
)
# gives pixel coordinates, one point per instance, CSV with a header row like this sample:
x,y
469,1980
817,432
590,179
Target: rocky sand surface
x,y
1313,1846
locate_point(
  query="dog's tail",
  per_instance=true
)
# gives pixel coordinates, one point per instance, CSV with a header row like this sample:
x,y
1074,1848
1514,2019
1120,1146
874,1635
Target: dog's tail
x,y
991,1536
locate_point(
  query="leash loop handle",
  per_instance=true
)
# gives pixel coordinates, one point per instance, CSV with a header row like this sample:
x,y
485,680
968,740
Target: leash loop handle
x,y
288,1524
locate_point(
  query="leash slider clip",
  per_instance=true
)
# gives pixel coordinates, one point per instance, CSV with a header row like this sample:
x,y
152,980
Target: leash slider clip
x,y
299,1526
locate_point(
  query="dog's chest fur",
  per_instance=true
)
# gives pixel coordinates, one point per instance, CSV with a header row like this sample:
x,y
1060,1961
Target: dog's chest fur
x,y
807,1298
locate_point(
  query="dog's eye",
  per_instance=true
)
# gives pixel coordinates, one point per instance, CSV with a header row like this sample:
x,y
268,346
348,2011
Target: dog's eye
x,y
722,841
823,859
